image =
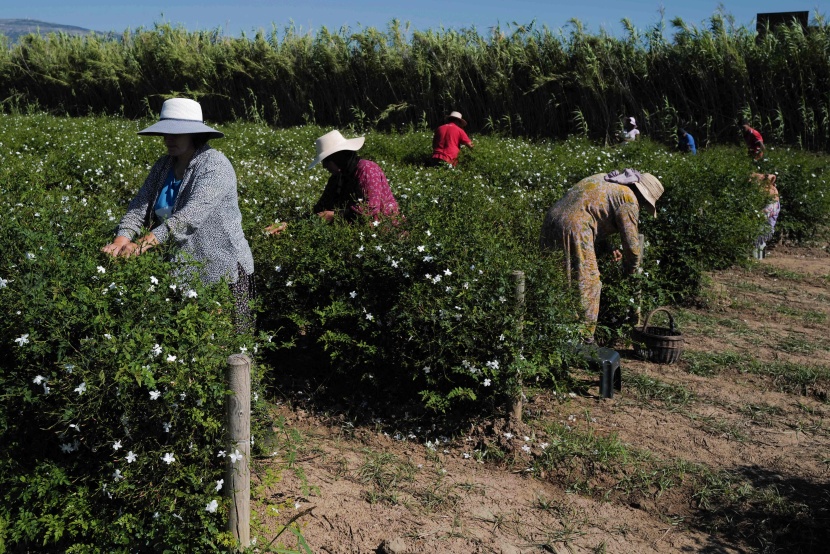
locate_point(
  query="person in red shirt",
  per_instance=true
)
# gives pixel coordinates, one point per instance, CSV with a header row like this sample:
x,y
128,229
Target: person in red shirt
x,y
754,141
448,140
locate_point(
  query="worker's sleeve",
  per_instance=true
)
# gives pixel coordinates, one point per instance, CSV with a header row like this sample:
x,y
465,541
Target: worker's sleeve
x,y
628,216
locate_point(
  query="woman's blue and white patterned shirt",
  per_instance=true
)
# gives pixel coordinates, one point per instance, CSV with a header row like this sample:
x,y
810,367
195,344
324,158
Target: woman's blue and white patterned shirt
x,y
205,224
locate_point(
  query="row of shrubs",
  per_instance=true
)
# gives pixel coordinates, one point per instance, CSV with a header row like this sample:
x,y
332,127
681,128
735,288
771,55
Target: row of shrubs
x,y
111,433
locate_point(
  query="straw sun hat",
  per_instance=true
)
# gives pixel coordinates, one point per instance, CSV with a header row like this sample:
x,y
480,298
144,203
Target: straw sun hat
x,y
651,189
457,115
180,116
333,142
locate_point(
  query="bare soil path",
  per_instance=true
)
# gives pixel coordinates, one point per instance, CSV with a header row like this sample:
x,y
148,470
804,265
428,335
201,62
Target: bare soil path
x,y
725,451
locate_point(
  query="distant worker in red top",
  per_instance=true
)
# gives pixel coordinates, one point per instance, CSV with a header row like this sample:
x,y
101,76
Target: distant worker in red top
x,y
754,141
448,140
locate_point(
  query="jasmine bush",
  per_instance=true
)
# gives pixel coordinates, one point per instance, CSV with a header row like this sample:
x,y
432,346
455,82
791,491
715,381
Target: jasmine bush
x,y
111,371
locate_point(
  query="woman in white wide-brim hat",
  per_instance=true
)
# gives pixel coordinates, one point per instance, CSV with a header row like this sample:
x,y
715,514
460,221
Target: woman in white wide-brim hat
x,y
596,207
448,140
631,132
357,187
190,199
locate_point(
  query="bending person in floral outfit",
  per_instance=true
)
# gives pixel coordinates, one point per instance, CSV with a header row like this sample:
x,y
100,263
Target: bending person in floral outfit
x,y
597,207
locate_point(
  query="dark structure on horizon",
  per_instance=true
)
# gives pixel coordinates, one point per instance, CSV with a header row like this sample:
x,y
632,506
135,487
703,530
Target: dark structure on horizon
x,y
764,21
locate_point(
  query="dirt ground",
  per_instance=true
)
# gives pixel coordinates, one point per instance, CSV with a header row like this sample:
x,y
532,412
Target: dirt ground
x,y
728,405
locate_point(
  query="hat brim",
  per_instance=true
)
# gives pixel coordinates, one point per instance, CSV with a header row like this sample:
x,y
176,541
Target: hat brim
x,y
349,144
647,185
180,127
462,122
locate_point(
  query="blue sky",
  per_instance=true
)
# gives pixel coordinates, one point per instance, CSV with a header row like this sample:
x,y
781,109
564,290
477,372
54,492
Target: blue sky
x,y
249,15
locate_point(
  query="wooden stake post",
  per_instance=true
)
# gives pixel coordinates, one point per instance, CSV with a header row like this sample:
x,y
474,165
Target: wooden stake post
x,y
519,295
237,471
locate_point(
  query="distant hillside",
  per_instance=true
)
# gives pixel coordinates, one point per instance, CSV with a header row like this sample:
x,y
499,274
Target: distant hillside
x,y
16,28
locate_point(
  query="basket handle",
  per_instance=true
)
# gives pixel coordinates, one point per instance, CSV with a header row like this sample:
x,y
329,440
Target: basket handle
x,y
652,312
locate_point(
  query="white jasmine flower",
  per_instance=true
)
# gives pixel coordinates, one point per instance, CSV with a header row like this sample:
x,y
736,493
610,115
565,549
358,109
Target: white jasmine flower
x,y
427,369
370,317
289,283
39,379
166,426
153,280
421,248
447,272
107,336
3,283
117,475
156,350
221,454
173,286
116,445
297,505
219,484
80,389
22,339
235,457
525,448
487,382
211,506
191,294
508,436
130,457
154,395
278,268
171,358
168,458
30,256
428,258
101,269
544,445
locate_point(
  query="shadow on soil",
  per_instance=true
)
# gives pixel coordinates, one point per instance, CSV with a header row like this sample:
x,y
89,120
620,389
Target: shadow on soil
x,y
768,513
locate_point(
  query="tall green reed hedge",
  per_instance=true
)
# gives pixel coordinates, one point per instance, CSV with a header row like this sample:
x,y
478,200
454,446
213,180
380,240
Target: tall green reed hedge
x,y
520,80
423,313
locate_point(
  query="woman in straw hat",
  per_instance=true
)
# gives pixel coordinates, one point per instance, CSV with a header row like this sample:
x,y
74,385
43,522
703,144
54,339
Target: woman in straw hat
x,y
357,187
190,199
448,140
597,207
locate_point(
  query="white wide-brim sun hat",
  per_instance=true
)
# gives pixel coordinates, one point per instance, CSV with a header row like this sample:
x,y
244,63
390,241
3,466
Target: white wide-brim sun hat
x,y
333,142
180,116
652,189
457,115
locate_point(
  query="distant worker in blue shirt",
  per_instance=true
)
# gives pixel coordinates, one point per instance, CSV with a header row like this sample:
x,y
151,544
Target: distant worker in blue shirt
x,y
685,142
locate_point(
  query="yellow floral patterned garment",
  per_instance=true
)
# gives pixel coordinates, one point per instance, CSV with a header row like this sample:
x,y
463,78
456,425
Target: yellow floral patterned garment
x,y
590,211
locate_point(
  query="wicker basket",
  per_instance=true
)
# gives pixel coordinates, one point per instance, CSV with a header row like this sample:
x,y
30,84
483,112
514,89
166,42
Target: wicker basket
x,y
662,345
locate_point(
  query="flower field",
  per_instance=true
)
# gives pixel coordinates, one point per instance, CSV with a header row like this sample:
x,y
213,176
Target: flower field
x,y
111,432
